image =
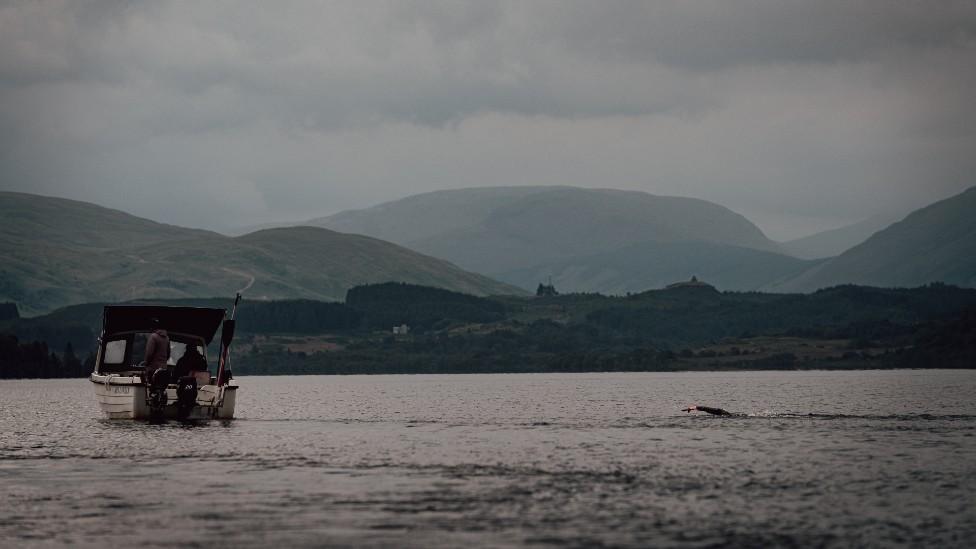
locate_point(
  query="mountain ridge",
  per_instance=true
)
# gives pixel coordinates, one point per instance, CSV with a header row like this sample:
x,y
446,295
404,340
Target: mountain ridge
x,y
637,268
44,266
834,242
932,244
497,230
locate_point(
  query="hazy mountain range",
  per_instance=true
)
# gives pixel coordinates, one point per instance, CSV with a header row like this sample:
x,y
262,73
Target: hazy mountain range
x,y
621,241
932,244
586,239
597,240
57,252
837,241
639,267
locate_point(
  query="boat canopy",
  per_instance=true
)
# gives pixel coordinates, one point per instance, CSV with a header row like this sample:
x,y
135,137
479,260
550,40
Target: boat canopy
x,y
197,321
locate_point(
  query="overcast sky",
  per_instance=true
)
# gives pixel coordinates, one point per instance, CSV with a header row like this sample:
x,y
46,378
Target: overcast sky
x,y
800,115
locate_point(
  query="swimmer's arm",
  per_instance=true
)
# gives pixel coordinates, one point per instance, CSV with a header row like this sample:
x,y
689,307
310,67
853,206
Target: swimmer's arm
x,y
707,410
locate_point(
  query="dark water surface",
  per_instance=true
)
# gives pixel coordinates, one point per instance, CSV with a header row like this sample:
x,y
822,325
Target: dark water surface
x,y
877,458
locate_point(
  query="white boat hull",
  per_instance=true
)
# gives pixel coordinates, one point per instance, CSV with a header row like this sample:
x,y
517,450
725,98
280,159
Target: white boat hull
x,y
124,397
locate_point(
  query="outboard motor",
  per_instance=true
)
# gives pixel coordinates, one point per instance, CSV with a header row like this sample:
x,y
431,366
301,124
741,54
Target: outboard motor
x,y
186,396
157,392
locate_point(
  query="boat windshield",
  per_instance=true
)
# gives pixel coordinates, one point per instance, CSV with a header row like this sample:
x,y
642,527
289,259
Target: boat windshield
x,y
178,348
125,352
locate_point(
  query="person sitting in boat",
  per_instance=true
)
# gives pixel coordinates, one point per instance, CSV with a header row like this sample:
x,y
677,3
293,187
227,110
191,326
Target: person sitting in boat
x,y
708,410
191,361
157,349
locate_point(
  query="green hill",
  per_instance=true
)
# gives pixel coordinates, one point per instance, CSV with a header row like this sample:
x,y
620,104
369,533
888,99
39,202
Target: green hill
x,y
57,252
933,244
29,219
507,229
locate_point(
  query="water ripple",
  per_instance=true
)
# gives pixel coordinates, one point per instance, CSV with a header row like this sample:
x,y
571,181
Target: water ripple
x,y
814,459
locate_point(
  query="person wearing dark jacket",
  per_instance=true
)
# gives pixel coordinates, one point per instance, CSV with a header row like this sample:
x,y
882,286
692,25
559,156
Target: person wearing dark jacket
x,y
191,361
157,349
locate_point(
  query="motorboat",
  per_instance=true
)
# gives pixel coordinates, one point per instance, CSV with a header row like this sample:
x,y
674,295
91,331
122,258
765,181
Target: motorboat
x,y
125,389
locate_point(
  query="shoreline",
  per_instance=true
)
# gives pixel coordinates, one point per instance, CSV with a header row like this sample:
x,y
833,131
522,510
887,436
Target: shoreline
x,y
537,372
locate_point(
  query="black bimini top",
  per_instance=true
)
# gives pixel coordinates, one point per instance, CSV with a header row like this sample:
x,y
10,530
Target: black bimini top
x,y
197,321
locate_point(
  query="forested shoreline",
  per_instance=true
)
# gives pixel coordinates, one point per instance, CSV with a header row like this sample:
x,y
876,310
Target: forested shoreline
x,y
34,360
684,328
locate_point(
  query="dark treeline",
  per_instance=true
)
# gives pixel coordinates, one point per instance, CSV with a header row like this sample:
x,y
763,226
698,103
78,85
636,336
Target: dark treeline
x,y
931,326
34,359
80,324
546,346
8,311
420,307
922,327
300,316
53,334
949,342
697,315
77,325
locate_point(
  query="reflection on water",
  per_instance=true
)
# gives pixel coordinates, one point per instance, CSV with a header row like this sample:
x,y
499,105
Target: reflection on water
x,y
817,458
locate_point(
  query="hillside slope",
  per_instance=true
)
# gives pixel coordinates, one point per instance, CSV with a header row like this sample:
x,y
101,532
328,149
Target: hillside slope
x,y
836,241
111,256
933,244
427,215
80,225
503,229
651,265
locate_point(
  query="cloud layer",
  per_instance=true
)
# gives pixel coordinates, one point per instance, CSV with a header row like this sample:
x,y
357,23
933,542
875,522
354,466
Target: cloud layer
x,y
801,115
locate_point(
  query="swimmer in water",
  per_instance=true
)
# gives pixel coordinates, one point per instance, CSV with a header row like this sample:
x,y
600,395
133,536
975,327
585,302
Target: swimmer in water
x,y
708,410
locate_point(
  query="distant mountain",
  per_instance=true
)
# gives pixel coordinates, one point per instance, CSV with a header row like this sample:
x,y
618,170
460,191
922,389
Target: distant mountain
x,y
518,230
638,267
57,252
248,229
81,225
836,241
933,244
428,215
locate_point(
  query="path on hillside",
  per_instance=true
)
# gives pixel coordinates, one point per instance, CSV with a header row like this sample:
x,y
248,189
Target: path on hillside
x,y
249,276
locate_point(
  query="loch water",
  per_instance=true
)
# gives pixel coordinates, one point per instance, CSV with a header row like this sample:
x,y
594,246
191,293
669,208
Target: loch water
x,y
816,459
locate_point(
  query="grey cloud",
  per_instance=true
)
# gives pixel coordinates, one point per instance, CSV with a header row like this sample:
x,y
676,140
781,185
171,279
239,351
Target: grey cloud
x,y
451,73
550,59
718,34
820,112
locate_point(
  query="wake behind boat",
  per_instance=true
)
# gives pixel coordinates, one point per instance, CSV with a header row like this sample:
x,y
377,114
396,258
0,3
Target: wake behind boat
x,y
176,383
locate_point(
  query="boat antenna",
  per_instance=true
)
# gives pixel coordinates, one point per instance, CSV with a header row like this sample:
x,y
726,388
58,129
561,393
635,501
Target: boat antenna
x,y
226,335
233,312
